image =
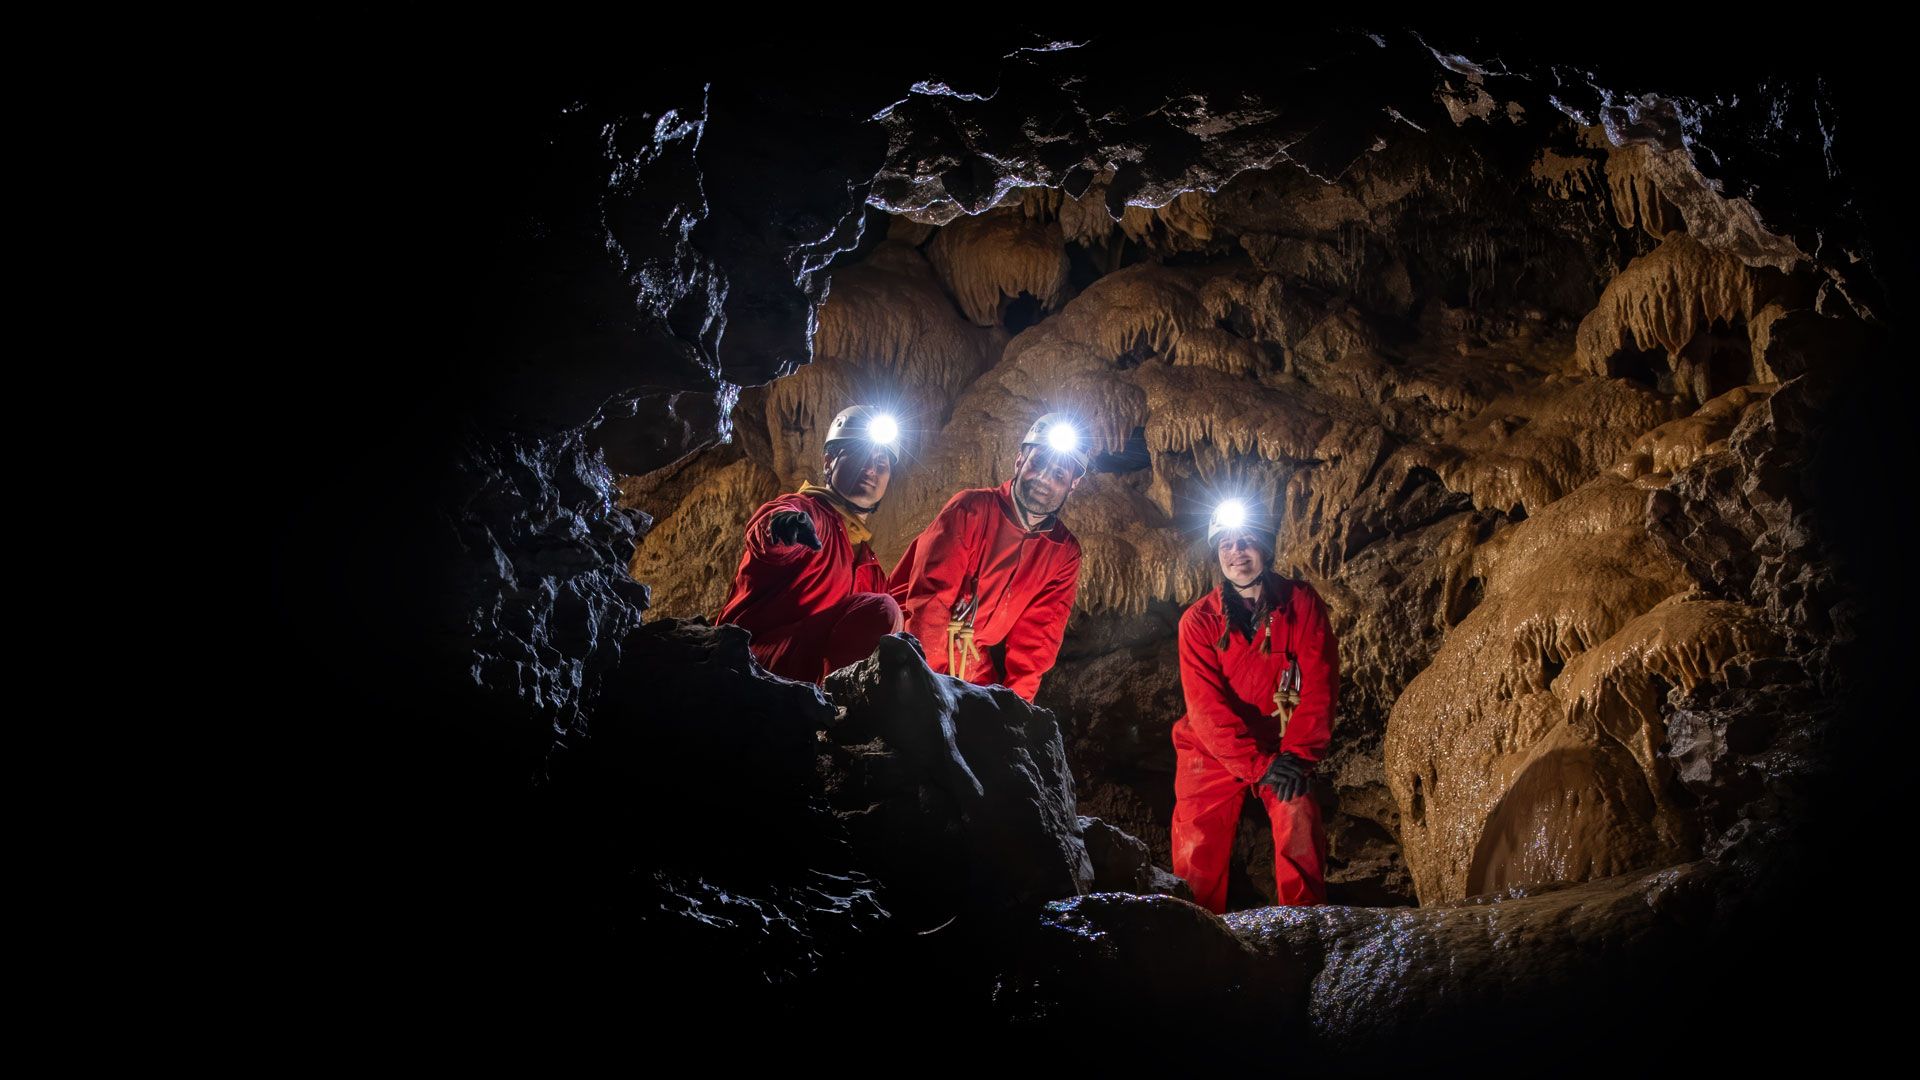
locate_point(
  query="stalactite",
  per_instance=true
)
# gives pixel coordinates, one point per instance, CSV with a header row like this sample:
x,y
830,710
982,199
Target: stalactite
x,y
1635,196
1187,406
1567,176
1619,686
1131,552
1183,224
887,335
997,256
1667,297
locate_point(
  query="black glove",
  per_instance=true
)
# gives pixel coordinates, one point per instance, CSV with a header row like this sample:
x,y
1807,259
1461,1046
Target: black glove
x,y
1287,776
792,527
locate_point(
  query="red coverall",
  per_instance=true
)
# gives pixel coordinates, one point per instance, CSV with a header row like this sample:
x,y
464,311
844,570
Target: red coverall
x,y
810,611
1026,583
1229,736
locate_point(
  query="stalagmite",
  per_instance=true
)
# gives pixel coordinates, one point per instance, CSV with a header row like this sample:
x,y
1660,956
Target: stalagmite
x,y
1553,685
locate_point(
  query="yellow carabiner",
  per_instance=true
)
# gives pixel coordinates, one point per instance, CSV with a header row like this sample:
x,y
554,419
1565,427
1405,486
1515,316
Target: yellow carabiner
x,y
960,651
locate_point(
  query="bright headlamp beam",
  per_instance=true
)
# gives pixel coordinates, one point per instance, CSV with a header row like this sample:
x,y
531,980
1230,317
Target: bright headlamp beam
x,y
1232,513
1063,438
883,429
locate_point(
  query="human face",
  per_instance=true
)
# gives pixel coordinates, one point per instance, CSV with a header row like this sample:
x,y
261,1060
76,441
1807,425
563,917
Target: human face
x,y
1241,560
859,472
1044,479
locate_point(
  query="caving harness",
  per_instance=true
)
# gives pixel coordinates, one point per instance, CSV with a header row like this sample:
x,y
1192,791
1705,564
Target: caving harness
x,y
1286,696
962,653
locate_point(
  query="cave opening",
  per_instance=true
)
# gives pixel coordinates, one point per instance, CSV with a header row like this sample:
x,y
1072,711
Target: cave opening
x,y
1648,367
1720,357
1020,312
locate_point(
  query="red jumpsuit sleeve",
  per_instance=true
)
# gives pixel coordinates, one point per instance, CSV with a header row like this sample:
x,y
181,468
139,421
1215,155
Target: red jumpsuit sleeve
x,y
935,566
1210,713
1034,640
1311,728
760,547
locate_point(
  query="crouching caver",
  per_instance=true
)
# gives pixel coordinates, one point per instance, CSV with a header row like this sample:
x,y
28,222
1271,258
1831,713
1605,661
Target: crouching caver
x,y
987,588
1259,668
809,587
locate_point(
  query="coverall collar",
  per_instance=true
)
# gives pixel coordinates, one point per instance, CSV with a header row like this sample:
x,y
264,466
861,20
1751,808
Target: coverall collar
x,y
853,517
1050,527
1268,596
1255,612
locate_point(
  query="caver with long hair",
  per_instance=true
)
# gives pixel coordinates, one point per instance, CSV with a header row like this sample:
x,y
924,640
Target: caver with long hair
x,y
1260,670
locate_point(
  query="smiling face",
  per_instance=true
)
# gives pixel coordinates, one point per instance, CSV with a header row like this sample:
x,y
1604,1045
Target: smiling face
x,y
1043,479
1242,560
859,472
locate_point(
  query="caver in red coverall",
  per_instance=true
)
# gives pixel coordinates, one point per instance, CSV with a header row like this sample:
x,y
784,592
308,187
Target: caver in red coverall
x,y
1025,582
810,611
1229,736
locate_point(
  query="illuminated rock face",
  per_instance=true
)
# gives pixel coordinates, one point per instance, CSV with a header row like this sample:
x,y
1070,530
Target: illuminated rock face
x,y
1462,451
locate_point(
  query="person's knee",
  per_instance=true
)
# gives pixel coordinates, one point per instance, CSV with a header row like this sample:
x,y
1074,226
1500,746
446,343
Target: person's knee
x,y
862,621
878,613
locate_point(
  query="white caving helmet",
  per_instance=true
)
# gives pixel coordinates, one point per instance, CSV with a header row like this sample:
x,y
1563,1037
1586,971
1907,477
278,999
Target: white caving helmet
x,y
1232,514
1057,432
865,423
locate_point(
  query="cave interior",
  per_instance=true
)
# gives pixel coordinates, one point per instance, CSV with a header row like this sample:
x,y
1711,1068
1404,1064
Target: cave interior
x,y
1556,364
